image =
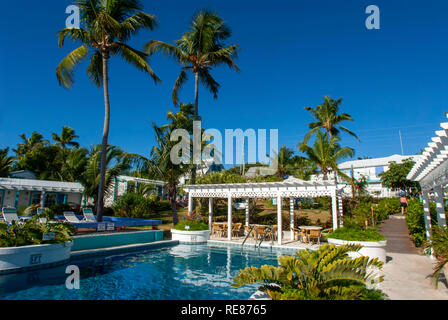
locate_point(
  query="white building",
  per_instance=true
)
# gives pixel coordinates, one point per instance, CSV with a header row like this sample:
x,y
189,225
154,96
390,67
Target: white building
x,y
15,193
121,185
371,169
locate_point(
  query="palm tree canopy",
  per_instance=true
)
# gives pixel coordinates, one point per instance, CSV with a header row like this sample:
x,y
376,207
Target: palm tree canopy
x,y
66,138
200,48
108,25
328,118
326,153
5,162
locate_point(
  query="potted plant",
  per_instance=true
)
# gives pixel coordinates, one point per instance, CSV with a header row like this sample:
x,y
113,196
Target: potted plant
x,y
190,231
373,243
32,244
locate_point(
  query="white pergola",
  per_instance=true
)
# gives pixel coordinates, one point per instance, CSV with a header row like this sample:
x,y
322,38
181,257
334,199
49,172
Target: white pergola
x,y
431,171
290,188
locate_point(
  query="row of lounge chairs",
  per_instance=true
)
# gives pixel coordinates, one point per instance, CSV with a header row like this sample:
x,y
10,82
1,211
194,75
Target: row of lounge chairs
x,y
10,214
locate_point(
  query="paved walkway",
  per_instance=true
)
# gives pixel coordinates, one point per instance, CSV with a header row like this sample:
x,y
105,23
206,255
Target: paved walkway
x,y
407,273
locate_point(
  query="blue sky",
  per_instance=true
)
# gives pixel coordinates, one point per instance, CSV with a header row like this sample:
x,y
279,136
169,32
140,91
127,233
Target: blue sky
x,y
292,54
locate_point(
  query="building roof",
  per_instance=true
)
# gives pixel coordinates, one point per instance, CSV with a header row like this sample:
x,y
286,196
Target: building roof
x,y
141,180
432,167
376,162
40,185
287,188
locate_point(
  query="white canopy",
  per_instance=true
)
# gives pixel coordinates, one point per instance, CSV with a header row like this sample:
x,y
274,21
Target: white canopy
x,y
40,185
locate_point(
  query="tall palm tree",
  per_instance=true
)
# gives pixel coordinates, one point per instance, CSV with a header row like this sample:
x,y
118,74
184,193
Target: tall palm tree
x,y
108,25
326,153
328,119
74,164
199,50
5,162
66,138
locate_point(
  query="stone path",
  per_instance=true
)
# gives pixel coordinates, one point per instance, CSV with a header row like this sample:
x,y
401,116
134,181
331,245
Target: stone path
x,y
407,273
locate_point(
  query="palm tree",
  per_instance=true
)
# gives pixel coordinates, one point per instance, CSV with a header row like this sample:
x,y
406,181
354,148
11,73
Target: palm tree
x,y
5,162
116,164
200,49
324,274
161,167
109,24
303,167
31,144
66,138
328,118
74,164
326,153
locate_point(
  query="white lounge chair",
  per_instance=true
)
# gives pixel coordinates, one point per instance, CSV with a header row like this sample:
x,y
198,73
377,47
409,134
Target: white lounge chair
x,y
71,217
88,215
10,215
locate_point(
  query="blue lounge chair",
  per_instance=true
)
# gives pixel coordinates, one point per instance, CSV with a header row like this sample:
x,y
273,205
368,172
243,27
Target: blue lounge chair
x,y
71,217
10,215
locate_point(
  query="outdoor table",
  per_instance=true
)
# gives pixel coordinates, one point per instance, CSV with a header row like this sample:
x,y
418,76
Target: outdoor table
x,y
309,228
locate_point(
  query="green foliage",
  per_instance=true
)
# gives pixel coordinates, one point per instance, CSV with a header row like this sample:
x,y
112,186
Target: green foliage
x,y
356,234
324,274
5,162
193,225
359,210
134,205
416,222
220,177
395,177
31,232
439,245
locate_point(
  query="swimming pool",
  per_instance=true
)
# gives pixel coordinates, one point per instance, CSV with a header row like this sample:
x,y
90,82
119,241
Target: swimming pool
x,y
181,272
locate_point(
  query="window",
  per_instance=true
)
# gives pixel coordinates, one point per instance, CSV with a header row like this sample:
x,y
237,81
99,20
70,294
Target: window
x,y
35,198
379,170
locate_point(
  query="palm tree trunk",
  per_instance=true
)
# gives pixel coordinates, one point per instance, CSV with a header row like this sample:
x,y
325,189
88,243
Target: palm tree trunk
x,y
174,207
196,95
101,186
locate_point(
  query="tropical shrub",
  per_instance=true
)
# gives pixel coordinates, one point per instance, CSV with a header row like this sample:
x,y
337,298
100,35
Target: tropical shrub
x,y
415,220
134,205
439,245
31,232
356,234
192,225
324,274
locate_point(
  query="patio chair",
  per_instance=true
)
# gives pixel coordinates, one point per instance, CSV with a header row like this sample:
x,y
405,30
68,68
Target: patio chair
x,y
314,235
236,229
10,215
216,228
301,235
71,217
40,211
248,230
261,230
88,215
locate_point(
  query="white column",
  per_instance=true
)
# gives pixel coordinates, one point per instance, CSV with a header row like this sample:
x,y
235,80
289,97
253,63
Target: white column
x,y
341,211
42,199
190,204
279,219
438,197
291,217
210,212
229,217
247,212
427,214
334,203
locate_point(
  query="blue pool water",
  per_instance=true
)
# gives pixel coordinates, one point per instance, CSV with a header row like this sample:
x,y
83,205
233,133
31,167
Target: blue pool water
x,y
182,272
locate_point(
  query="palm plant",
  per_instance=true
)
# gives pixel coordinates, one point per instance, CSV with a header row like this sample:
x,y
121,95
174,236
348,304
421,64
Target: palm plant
x,y
66,138
328,119
116,164
324,274
5,162
74,164
108,26
439,245
326,153
31,144
161,167
200,49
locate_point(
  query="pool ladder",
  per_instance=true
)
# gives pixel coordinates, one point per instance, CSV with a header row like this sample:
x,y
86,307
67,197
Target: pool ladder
x,y
268,231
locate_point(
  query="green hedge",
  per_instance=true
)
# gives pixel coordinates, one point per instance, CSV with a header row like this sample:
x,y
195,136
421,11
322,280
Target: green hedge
x,y
415,220
356,234
134,205
193,225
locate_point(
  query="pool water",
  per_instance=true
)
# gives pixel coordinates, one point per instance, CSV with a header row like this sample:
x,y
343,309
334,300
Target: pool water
x,y
182,272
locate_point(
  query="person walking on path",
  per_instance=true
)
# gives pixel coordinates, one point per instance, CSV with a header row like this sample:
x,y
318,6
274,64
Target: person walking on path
x,y
404,204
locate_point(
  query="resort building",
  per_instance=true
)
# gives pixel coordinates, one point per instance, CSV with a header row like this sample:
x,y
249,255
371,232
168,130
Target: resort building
x,y
16,193
371,170
123,184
